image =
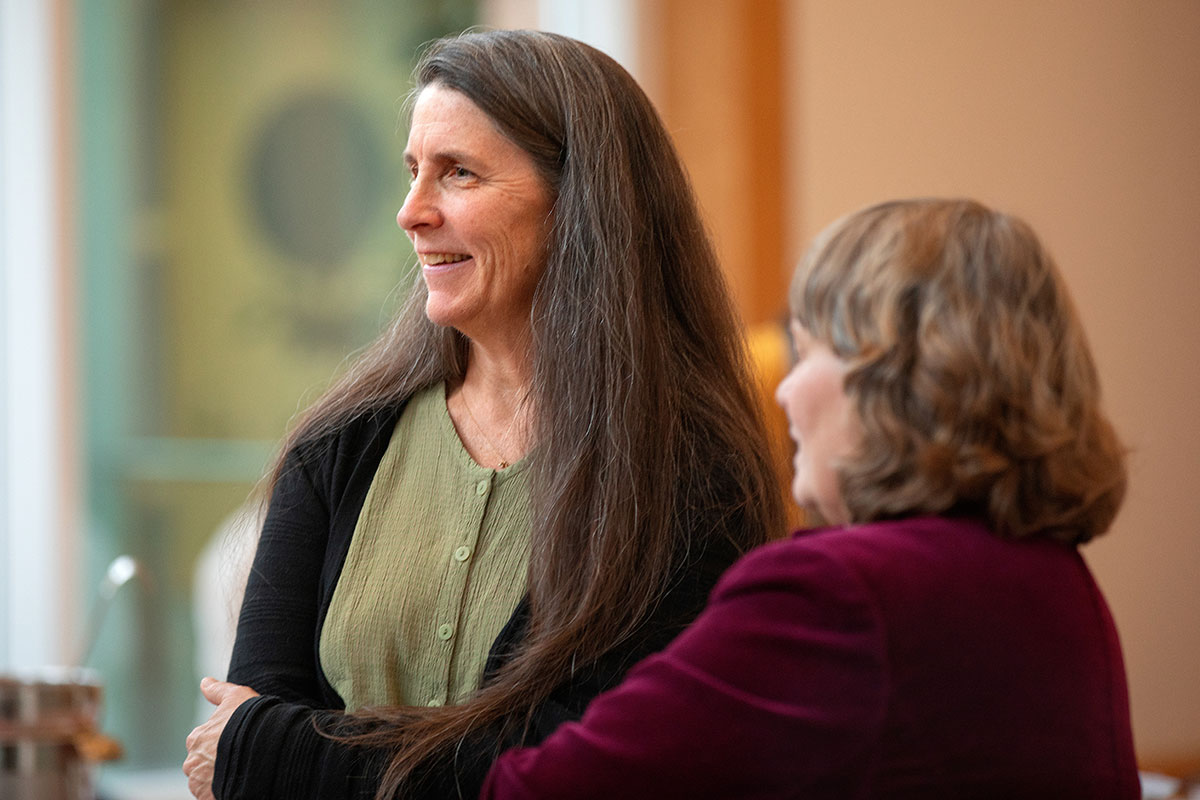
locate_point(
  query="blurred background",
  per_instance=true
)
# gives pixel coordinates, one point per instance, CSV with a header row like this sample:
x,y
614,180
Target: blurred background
x,y
197,228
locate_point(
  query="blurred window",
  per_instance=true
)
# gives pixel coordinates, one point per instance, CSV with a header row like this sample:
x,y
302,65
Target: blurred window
x,y
239,171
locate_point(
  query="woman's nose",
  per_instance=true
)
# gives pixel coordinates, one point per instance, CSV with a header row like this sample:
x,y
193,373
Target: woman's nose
x,y
418,210
784,390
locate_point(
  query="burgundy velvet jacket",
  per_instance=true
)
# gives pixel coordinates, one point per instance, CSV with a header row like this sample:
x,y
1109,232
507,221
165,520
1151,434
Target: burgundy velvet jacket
x,y
923,658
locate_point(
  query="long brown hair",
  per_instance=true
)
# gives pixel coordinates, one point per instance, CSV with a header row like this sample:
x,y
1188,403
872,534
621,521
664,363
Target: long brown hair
x,y
970,369
646,428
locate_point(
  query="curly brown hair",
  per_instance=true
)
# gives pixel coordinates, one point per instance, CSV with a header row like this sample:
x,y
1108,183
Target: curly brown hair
x,y
969,367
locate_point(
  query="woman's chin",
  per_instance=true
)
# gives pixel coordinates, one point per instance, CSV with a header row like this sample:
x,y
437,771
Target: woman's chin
x,y
445,312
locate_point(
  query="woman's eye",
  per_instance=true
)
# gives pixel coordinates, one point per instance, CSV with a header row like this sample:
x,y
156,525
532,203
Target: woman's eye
x,y
460,172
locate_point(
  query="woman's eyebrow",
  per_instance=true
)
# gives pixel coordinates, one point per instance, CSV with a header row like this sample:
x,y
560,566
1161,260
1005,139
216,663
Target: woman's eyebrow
x,y
441,157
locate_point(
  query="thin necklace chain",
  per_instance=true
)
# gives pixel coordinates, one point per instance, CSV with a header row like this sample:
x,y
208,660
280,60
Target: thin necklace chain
x,y
504,462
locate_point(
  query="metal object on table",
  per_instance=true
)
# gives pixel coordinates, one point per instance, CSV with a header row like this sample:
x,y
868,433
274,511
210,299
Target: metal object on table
x,y
48,734
120,571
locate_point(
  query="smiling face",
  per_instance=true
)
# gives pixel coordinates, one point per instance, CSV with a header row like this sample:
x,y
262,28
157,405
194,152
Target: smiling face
x,y
822,421
478,214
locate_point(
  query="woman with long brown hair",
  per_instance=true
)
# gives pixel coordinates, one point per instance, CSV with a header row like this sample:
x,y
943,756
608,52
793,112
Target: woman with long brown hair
x,y
530,481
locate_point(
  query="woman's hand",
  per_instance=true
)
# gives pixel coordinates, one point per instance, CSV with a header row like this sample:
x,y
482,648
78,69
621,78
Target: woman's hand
x,y
201,759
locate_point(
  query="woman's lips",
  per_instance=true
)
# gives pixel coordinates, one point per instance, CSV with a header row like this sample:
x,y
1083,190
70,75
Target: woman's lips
x,y
438,259
440,263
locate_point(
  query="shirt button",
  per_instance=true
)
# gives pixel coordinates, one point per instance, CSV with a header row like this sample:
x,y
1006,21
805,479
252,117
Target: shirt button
x,y
462,553
481,488
445,631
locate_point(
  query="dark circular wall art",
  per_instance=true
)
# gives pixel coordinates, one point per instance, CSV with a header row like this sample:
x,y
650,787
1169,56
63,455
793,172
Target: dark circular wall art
x,y
316,172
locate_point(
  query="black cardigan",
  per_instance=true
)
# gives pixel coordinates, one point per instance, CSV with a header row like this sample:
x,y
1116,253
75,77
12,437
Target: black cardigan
x,y
270,747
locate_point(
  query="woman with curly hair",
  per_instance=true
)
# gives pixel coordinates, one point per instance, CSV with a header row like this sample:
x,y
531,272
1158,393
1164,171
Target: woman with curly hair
x,y
941,637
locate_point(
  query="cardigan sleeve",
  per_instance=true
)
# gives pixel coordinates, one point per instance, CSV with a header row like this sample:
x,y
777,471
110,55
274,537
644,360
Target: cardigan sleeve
x,y
776,687
272,749
270,746
273,653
